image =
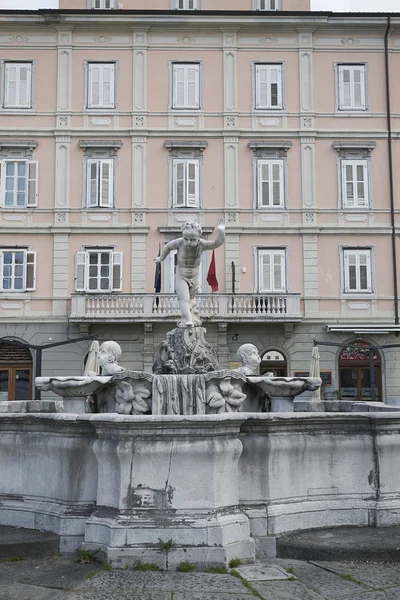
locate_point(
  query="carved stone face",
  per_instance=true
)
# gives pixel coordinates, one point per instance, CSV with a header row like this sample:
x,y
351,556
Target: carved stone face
x,y
190,239
252,357
105,357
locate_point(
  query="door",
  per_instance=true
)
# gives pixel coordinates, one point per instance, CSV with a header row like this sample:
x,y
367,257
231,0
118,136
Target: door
x,y
15,382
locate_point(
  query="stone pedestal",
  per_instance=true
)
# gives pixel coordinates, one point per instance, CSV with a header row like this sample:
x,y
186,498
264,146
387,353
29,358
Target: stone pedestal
x,y
168,478
76,406
281,404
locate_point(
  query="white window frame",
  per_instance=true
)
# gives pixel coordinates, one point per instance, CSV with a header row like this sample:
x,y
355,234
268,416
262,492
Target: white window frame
x,y
266,5
94,197
27,104
190,200
359,254
82,274
271,287
101,104
341,104
186,68
266,70
355,201
185,4
29,270
92,4
31,183
270,163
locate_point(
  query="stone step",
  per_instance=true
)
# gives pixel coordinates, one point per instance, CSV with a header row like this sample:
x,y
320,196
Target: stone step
x,y
17,541
379,544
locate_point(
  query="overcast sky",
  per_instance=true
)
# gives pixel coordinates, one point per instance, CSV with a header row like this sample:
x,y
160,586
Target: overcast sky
x,y
335,5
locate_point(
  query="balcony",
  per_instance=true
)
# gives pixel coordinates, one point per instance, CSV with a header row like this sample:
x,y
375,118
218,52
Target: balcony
x,y
164,307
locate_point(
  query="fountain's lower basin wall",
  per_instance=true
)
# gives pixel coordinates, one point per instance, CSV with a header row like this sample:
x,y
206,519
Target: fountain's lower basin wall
x,y
218,486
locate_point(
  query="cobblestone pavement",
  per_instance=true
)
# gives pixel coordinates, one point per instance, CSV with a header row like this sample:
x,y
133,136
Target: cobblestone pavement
x,y
60,578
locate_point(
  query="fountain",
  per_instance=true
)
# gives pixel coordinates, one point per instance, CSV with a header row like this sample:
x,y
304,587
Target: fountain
x,y
166,443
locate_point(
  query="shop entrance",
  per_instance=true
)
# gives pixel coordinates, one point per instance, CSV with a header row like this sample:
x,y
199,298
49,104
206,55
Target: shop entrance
x,y
15,373
355,373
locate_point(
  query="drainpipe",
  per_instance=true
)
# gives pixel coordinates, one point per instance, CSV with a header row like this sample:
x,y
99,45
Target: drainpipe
x,y
391,186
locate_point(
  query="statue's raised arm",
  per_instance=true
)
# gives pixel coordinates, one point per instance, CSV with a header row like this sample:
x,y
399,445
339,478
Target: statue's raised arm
x,y
219,240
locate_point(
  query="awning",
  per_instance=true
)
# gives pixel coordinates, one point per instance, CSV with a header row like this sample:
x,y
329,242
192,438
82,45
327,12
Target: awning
x,y
363,329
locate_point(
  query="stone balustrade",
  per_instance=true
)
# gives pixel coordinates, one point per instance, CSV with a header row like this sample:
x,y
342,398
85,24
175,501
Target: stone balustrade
x,y
165,306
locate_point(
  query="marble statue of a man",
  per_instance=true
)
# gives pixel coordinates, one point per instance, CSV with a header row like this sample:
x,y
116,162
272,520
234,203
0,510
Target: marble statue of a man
x,y
189,250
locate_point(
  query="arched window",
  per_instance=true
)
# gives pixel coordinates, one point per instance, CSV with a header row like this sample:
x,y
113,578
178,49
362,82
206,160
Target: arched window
x,y
15,373
355,375
274,362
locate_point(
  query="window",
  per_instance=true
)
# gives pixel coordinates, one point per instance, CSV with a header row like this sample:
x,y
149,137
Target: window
x,y
101,85
354,164
270,172
352,87
18,183
268,86
17,85
186,4
100,162
186,86
267,5
272,270
186,162
355,183
185,183
270,184
357,271
99,184
98,271
18,270
103,4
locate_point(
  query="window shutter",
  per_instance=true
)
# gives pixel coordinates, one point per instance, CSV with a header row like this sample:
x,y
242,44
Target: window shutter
x,y
178,183
346,88
360,172
192,168
117,271
106,183
2,186
262,85
92,183
263,183
80,270
11,79
277,183
179,86
24,99
107,72
30,284
279,271
32,183
351,271
365,271
348,184
94,86
359,87
193,76
275,86
265,272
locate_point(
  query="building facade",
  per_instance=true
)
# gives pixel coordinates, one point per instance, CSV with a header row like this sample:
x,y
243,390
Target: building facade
x,y
121,120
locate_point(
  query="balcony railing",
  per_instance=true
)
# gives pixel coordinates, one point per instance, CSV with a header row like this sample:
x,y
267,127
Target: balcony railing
x,y
158,307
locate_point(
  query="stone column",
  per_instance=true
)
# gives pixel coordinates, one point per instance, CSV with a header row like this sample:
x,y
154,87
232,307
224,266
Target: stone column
x,y
139,232
139,78
64,76
60,274
230,78
148,347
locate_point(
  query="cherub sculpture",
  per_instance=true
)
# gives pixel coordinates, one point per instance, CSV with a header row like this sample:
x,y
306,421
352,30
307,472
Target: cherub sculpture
x,y
189,250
